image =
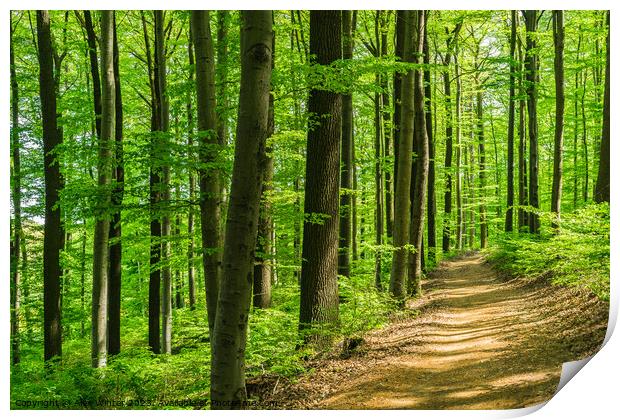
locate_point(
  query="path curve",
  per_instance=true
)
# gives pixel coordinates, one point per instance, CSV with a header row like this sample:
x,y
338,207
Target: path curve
x,y
479,342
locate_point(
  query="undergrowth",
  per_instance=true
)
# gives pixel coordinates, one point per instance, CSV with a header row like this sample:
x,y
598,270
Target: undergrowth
x,y
577,255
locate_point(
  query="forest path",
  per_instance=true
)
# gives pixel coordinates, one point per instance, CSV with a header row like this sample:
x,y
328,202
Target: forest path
x,y
479,342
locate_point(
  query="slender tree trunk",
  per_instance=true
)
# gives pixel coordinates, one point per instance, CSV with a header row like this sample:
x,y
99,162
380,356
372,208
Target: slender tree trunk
x,y
53,232
116,251
400,52
230,335
94,68
221,76
16,243
403,169
387,134
422,163
584,137
263,266
191,269
346,158
459,178
154,202
558,64
210,197
531,65
482,169
319,269
378,186
523,196
450,45
510,192
102,223
166,273
431,200
601,193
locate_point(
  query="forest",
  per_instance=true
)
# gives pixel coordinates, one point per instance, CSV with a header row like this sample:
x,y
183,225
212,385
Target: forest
x,y
230,209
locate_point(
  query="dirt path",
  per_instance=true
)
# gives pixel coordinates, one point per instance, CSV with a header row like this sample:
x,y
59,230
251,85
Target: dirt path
x,y
479,342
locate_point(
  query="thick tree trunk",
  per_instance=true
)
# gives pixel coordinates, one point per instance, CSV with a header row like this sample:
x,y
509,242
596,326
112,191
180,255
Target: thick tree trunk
x,y
16,243
422,163
230,335
531,65
601,193
346,158
510,192
558,64
53,232
210,193
116,251
104,169
403,169
319,269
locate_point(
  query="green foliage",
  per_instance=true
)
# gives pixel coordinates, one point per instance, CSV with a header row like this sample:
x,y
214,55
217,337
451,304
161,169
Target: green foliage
x,y
577,256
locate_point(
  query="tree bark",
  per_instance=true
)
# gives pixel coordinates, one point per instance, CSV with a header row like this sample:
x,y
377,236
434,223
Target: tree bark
x,y
53,232
601,193
319,269
523,221
116,250
531,75
263,265
91,39
346,158
191,269
210,192
16,243
400,53
558,65
510,192
162,132
230,335
422,163
450,45
428,118
102,223
484,233
459,178
403,171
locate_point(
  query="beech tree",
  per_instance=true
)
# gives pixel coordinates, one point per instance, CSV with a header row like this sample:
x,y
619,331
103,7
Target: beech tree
x,y
230,334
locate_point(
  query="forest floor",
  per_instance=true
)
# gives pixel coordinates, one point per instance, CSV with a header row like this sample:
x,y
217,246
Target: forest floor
x,y
478,340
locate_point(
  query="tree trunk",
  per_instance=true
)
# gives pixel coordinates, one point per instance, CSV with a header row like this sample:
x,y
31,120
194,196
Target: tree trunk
x,y
401,53
422,163
53,232
523,198
16,243
346,158
210,193
263,266
482,169
459,179
450,45
91,39
558,64
102,223
531,65
601,193
403,170
162,99
319,269
221,76
191,269
510,192
154,202
230,335
378,186
387,134
116,251
584,136
428,118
